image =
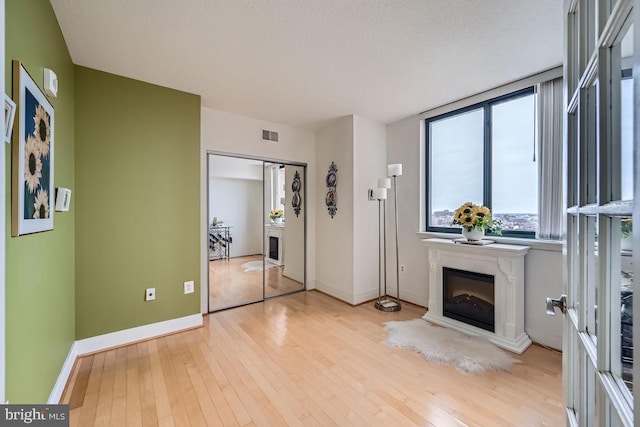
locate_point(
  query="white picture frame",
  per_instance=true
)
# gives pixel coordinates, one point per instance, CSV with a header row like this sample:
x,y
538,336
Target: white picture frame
x,y
9,115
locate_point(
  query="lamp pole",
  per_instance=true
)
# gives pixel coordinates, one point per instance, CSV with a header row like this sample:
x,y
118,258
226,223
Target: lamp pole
x,y
395,204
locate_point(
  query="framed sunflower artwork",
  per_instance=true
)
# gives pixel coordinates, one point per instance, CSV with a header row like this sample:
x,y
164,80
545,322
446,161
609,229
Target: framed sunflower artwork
x,y
31,157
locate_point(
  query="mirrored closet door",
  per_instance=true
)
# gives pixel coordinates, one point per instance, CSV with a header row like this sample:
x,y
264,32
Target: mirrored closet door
x,y
284,235
256,229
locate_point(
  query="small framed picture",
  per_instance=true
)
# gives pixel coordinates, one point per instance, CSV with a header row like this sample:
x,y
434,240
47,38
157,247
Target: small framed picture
x,y
9,115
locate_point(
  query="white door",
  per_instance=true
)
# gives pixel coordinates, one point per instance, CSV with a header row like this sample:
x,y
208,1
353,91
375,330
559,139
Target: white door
x,y
599,275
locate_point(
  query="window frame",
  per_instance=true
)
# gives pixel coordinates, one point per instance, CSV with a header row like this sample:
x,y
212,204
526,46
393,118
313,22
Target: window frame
x,y
487,159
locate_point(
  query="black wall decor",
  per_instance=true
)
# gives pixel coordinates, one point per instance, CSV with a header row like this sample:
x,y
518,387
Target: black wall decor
x,y
296,199
331,199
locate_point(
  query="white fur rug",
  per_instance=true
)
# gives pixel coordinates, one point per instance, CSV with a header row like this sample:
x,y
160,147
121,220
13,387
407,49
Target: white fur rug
x,y
448,347
252,266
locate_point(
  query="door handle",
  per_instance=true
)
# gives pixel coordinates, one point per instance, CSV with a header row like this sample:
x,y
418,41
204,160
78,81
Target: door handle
x,y
552,303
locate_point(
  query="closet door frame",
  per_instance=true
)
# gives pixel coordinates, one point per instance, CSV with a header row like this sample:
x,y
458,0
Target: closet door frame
x,y
264,160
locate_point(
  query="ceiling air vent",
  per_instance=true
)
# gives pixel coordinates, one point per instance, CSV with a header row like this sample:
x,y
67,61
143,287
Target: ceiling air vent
x,y
269,135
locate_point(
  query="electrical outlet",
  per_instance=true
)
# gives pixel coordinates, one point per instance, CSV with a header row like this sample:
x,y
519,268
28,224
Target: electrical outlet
x,y
189,287
401,267
150,294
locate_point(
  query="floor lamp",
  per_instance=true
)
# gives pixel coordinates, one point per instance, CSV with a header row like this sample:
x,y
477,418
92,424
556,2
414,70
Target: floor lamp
x,y
380,194
382,303
394,171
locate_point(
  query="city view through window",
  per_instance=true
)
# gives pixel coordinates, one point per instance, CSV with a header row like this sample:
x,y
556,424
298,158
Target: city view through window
x,y
458,164
510,221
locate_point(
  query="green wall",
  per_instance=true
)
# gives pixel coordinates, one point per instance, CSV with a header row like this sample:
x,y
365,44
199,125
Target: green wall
x,y
134,217
137,200
40,268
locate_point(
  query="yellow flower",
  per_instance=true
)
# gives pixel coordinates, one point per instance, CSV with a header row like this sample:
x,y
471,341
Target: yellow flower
x,y
472,216
42,205
276,213
42,130
484,211
32,164
469,220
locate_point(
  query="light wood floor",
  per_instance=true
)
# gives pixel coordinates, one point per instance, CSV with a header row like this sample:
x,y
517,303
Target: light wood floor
x,y
231,286
304,359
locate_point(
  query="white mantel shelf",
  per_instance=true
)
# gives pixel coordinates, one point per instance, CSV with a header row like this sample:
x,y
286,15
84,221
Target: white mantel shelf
x,y
506,264
496,249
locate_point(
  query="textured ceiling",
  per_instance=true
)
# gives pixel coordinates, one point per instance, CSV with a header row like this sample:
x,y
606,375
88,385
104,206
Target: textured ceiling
x,y
303,62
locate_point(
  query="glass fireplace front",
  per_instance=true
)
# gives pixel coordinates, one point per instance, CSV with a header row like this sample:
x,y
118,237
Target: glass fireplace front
x,y
469,297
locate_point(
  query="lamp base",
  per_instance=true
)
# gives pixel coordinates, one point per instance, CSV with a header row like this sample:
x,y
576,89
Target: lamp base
x,y
388,305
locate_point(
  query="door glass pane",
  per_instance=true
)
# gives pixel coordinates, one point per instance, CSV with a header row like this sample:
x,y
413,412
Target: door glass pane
x,y
626,115
575,354
589,147
588,31
573,65
577,367
456,140
514,167
625,285
589,396
591,275
573,154
572,258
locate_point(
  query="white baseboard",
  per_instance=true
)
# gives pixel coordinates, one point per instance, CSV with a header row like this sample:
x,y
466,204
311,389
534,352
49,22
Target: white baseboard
x,y
417,299
117,339
139,333
366,296
334,292
61,382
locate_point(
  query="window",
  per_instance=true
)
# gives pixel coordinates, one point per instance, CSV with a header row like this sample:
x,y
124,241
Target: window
x,y
485,154
277,191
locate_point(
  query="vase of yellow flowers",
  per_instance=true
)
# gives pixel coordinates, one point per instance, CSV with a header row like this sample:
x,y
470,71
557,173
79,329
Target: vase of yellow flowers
x,y
276,216
475,220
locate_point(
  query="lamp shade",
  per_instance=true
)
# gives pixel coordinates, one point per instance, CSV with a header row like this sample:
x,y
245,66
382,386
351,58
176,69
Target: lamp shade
x,y
394,169
379,193
384,182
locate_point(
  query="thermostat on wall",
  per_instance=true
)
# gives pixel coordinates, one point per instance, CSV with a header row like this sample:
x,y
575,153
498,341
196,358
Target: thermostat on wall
x,y
50,83
63,199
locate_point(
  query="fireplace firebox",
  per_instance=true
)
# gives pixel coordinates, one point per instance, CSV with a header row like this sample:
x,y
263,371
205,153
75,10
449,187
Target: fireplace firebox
x,y
469,297
273,248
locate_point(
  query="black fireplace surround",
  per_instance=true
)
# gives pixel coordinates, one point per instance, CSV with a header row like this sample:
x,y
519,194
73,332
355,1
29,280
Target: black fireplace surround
x,y
469,297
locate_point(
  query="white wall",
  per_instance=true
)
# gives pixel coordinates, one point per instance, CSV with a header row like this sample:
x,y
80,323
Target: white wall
x,y
369,164
238,202
543,267
347,245
334,236
235,134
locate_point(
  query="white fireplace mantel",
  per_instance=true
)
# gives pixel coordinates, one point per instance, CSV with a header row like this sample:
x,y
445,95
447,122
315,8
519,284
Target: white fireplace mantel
x,y
506,264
